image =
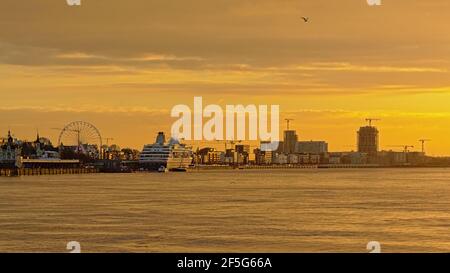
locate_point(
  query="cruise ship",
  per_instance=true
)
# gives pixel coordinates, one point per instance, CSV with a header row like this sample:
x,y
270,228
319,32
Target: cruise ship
x,y
171,155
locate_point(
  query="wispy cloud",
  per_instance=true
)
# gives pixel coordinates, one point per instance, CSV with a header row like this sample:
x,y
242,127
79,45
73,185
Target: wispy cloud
x,y
79,55
349,67
162,57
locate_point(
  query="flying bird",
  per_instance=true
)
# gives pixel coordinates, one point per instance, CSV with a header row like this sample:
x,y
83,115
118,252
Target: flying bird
x,y
306,19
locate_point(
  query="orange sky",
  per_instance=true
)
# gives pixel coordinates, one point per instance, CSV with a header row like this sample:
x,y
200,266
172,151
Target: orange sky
x,y
123,65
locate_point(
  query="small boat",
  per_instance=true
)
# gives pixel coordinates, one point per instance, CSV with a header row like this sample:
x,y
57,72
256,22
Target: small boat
x,y
163,169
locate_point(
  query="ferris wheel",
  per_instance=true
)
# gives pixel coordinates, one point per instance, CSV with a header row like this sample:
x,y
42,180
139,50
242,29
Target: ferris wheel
x,y
80,134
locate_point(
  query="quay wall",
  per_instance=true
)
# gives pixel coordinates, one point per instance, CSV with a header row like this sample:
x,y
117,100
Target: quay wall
x,y
45,171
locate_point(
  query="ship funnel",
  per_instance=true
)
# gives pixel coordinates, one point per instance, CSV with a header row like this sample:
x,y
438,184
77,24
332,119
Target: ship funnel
x,y
161,138
174,141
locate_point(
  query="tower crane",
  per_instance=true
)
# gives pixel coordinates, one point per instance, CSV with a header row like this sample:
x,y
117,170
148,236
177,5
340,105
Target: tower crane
x,y
288,121
405,147
370,120
423,143
233,142
107,140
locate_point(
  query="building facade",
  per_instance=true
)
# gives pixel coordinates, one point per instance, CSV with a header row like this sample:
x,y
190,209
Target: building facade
x,y
290,141
10,150
311,147
368,140
242,154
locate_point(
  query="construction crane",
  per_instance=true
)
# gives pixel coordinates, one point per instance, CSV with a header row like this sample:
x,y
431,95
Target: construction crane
x,y
288,120
423,143
370,120
107,140
405,147
235,142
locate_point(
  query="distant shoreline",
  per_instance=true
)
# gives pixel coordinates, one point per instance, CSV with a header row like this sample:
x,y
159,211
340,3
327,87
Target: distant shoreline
x,y
320,166
42,172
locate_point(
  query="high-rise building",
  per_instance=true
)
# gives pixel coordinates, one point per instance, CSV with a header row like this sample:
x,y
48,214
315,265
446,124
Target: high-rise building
x,y
368,140
290,141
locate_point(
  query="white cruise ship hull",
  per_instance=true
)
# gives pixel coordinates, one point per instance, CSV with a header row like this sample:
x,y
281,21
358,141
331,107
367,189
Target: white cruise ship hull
x,y
168,164
171,155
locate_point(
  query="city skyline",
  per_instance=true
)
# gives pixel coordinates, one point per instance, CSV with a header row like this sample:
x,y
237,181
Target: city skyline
x,y
286,133
123,66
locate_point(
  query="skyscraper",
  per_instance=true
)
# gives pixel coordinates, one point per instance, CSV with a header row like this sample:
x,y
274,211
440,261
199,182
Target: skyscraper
x,y
368,140
290,141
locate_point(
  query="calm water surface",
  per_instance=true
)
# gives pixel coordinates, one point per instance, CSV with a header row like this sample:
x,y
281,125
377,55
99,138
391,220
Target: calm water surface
x,y
406,210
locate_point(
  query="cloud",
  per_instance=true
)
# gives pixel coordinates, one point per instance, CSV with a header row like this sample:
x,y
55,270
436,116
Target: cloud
x,y
161,57
79,55
349,67
230,31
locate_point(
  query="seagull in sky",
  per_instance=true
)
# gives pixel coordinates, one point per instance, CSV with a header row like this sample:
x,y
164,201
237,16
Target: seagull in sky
x,y
306,19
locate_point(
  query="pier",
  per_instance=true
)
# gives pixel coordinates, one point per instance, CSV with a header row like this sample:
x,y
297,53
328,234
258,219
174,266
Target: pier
x,y
29,167
45,171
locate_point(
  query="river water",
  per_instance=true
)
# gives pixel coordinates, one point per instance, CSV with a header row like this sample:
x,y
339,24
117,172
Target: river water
x,y
341,210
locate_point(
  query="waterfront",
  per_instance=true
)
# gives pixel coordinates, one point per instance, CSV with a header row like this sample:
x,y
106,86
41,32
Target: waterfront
x,y
304,210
